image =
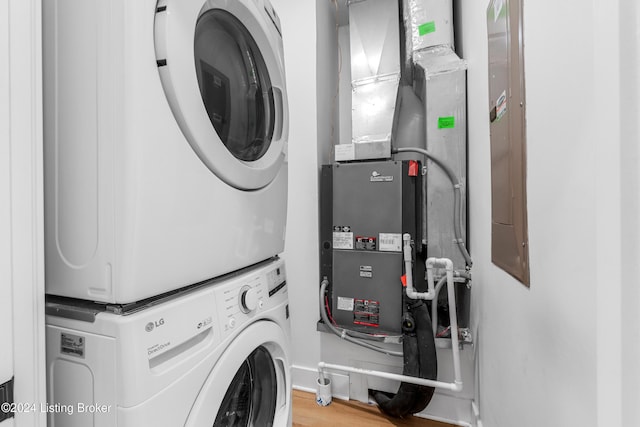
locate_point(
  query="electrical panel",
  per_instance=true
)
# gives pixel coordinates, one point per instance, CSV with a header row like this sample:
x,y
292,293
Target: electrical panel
x,y
366,208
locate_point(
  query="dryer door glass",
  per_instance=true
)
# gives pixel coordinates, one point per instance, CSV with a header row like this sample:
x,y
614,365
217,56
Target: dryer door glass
x,y
234,84
251,397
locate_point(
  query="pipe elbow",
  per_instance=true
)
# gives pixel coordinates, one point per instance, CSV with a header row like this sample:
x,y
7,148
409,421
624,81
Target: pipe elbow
x,y
411,293
445,263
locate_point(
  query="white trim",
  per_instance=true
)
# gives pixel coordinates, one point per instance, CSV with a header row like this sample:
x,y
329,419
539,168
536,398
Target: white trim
x,y
27,206
608,233
6,315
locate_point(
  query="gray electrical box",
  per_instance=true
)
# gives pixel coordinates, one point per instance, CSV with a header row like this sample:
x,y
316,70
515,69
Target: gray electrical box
x,y
365,209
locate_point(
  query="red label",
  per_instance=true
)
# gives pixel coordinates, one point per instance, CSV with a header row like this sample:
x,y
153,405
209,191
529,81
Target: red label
x,y
413,168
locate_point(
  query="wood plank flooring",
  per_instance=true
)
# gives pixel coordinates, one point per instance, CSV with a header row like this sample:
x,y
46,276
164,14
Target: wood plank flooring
x,y
347,413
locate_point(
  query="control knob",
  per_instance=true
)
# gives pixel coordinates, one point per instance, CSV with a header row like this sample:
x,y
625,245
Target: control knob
x,y
248,299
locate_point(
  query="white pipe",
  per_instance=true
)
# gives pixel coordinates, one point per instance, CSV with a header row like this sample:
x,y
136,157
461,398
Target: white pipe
x,y
476,413
432,263
322,366
453,317
408,267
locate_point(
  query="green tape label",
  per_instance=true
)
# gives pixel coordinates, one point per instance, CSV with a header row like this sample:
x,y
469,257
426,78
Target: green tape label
x,y
446,122
427,27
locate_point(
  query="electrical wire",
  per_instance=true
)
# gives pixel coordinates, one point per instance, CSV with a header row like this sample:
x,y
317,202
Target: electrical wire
x,y
443,332
326,304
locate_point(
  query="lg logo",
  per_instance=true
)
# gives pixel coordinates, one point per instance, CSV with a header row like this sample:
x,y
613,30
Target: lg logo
x,y
152,325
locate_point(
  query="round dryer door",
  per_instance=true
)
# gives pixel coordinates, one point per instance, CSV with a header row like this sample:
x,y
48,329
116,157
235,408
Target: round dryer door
x,y
249,385
222,69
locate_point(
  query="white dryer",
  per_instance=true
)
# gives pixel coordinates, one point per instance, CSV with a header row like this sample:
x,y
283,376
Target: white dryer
x,y
165,128
217,356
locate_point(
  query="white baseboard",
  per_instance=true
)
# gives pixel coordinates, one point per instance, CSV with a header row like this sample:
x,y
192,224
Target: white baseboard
x,y
449,409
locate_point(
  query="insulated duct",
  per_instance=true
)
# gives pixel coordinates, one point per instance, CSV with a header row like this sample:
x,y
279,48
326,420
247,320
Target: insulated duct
x,y
374,39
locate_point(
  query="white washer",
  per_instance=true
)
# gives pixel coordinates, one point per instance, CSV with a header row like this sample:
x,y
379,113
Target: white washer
x,y
166,128
217,355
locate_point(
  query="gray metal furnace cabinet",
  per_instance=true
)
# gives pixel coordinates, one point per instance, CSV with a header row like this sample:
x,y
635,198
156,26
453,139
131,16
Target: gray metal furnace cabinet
x,y
365,209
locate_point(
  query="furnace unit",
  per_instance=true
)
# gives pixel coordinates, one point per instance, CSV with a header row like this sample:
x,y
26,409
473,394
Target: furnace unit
x,y
366,207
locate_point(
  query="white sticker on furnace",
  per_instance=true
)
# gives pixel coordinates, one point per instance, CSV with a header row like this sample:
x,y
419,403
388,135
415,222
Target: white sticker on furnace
x,y
342,240
345,304
390,242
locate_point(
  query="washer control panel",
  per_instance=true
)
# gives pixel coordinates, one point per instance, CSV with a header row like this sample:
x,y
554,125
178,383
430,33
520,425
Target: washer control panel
x,y
248,299
249,295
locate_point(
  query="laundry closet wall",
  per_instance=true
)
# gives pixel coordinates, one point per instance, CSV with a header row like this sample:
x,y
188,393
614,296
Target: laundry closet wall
x,y
306,79
560,352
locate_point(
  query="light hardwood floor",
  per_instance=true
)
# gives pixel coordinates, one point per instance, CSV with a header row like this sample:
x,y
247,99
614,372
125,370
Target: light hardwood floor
x,y
342,413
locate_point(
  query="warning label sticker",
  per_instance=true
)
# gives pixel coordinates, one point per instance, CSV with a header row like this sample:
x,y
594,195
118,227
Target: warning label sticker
x,y
342,240
366,313
366,271
390,242
345,304
72,344
365,243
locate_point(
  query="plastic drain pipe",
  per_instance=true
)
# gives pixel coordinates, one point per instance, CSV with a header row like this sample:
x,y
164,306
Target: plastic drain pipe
x,y
323,393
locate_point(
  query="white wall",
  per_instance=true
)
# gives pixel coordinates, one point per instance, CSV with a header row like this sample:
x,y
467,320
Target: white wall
x,y
6,313
630,219
298,20
550,355
21,198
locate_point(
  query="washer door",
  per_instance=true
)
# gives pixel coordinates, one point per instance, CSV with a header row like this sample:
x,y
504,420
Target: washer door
x,y
249,386
222,71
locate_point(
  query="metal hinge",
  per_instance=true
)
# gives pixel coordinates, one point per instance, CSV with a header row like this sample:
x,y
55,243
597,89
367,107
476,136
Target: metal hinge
x,y
6,400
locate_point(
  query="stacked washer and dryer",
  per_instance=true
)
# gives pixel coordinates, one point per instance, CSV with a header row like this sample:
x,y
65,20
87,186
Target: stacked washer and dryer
x,y
166,129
